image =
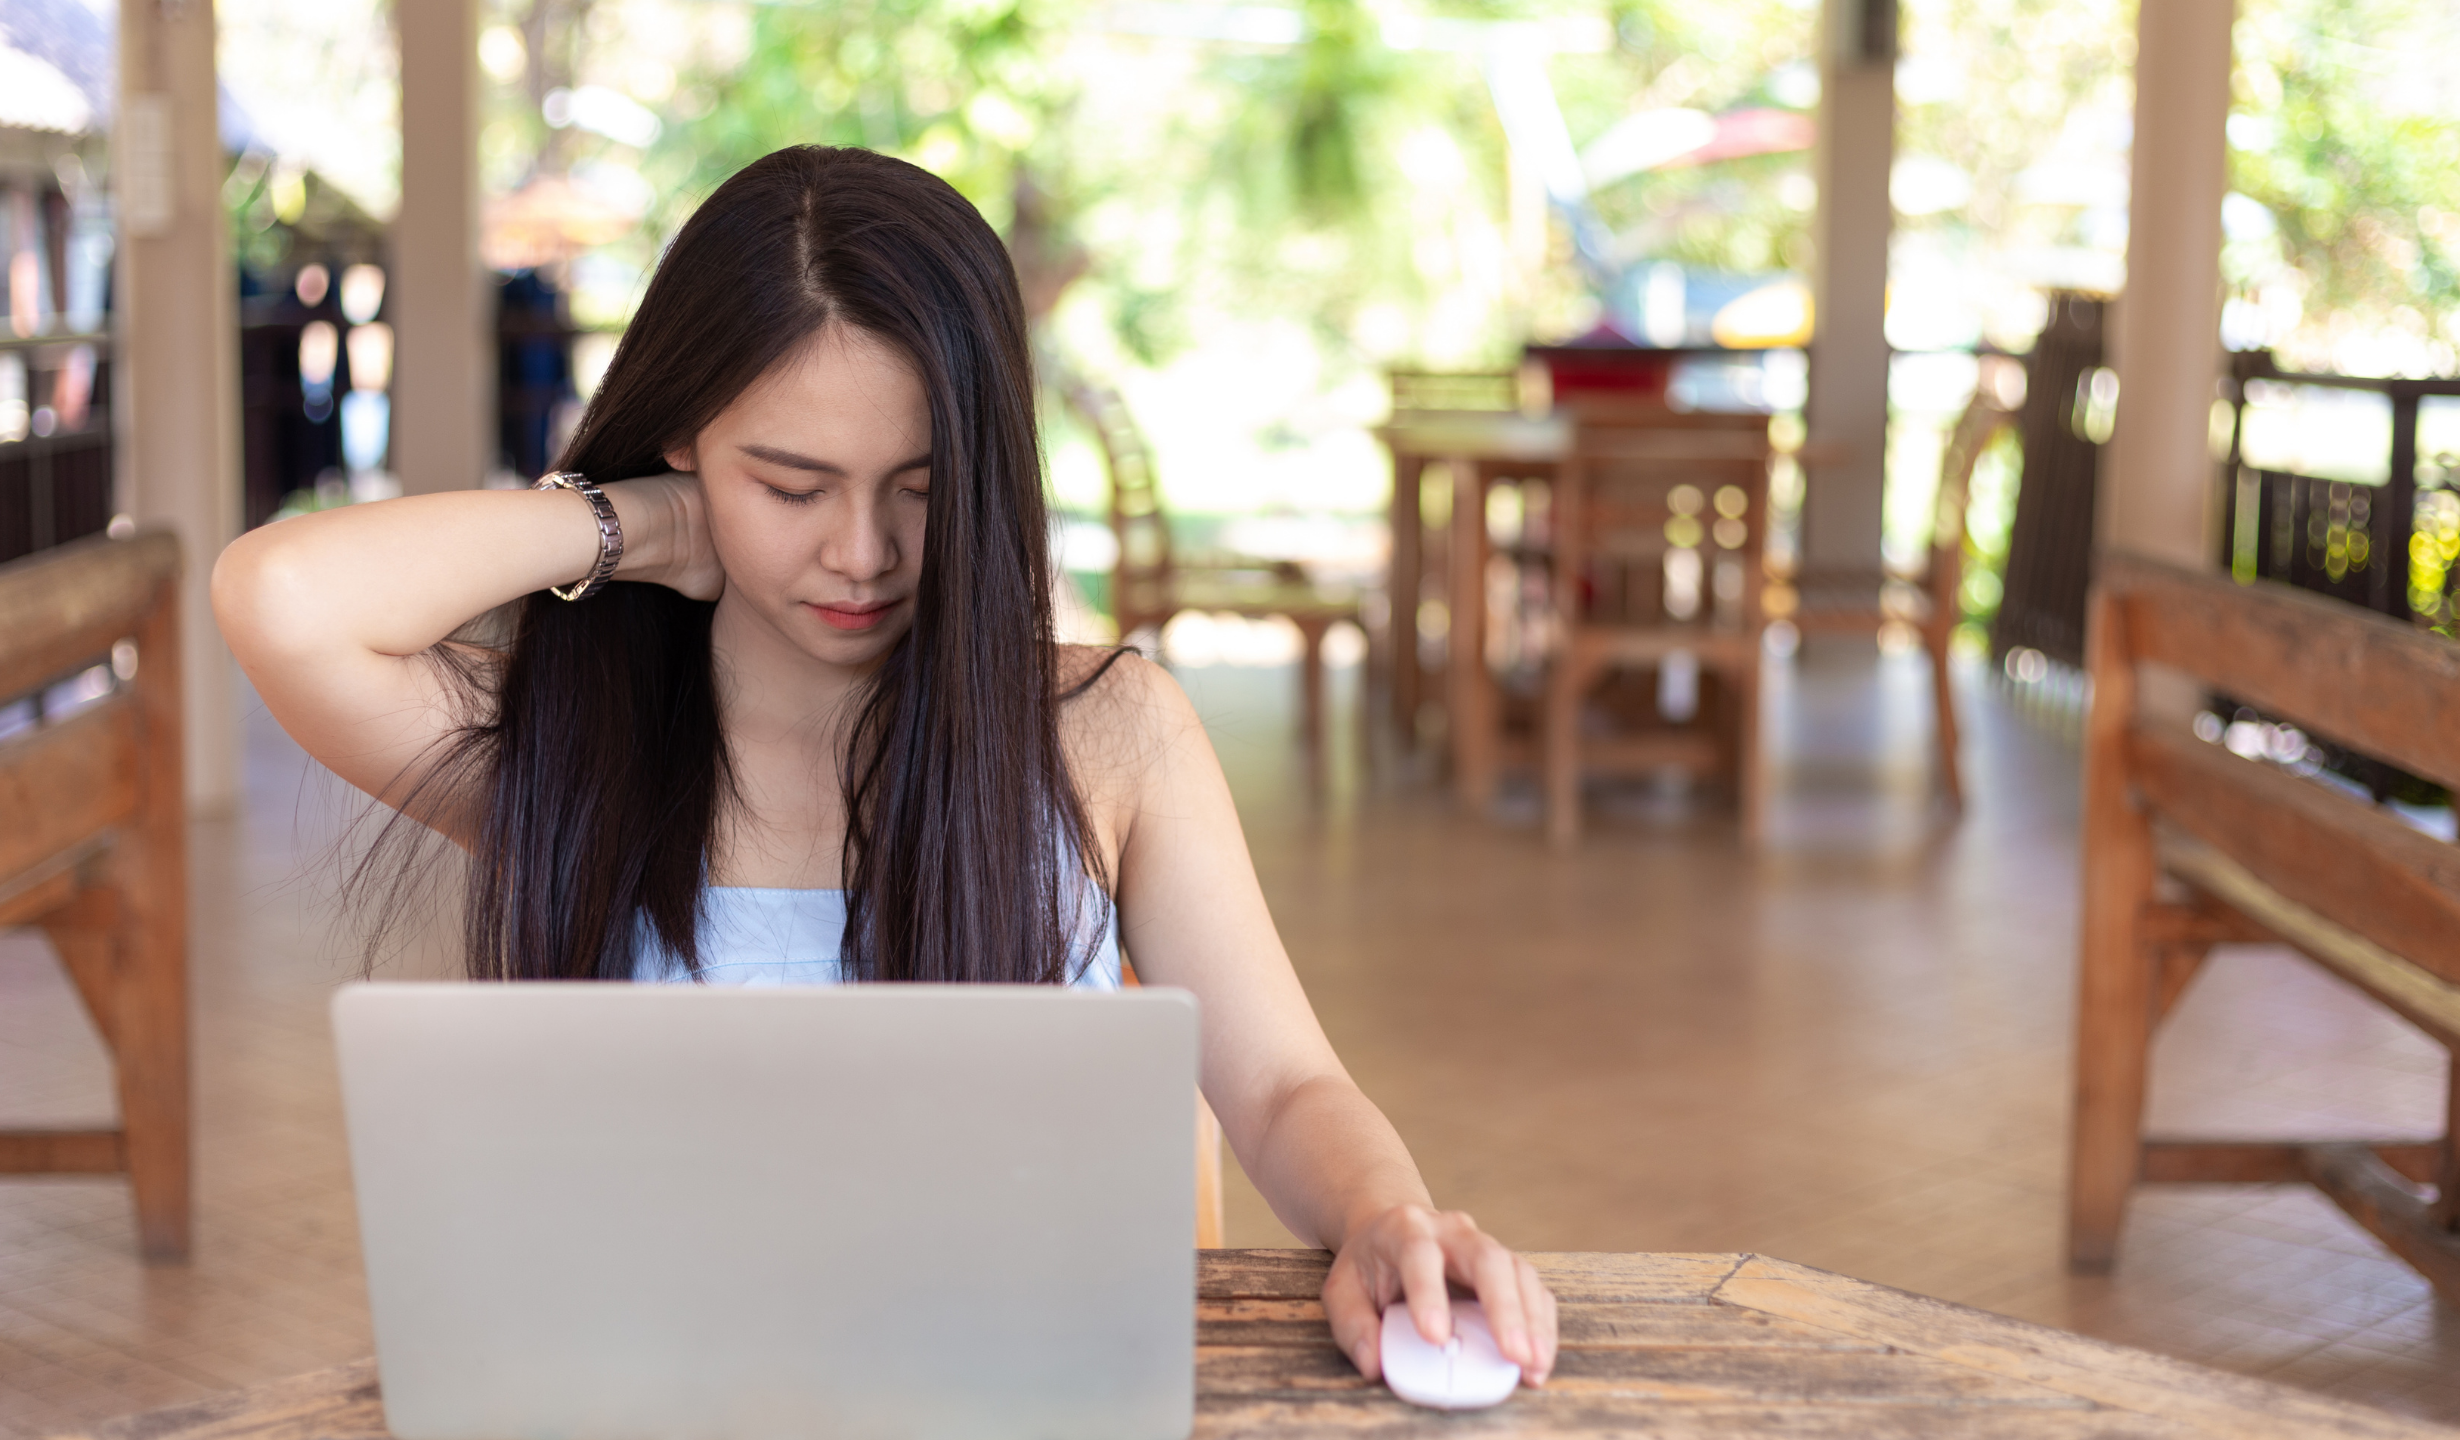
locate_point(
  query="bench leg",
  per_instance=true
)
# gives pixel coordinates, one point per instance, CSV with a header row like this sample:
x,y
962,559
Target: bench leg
x,y
1750,783
1209,1222
153,1075
137,996
2115,996
1559,745
1943,704
1311,701
2446,1211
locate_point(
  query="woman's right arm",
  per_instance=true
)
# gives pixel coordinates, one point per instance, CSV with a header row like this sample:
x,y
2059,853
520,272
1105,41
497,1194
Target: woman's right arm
x,y
330,613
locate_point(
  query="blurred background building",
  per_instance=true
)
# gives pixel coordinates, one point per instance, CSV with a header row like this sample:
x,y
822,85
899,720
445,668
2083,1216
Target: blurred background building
x,y
1240,216
1980,288
1245,214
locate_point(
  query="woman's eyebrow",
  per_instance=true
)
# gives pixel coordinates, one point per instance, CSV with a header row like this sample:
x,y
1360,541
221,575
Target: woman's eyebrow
x,y
793,461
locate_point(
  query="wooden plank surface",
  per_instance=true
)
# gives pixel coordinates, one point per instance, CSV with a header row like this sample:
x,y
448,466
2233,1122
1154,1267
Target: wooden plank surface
x,y
2430,1003
2395,885
2375,1196
62,1152
2211,1401
2370,682
1668,1346
2177,1161
63,784
65,606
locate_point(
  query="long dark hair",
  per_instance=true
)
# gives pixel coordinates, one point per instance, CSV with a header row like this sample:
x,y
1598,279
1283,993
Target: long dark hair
x,y
599,769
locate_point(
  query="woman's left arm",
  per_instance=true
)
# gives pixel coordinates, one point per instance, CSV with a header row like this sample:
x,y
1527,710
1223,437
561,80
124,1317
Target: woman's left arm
x,y
1326,1159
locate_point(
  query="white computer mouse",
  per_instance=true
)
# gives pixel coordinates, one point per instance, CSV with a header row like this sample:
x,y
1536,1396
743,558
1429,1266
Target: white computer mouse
x,y
1465,1373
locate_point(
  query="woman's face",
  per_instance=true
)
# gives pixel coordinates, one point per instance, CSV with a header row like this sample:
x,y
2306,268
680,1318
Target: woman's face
x,y
817,480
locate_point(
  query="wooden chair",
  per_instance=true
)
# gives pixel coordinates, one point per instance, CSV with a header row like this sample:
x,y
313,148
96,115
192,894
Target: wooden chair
x,y
2187,845
1151,584
1658,522
93,850
1208,1155
1453,392
1929,598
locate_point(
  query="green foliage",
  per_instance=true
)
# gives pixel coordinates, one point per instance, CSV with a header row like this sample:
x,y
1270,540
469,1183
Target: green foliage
x,y
1343,75
2344,138
965,88
2020,73
1280,181
1730,216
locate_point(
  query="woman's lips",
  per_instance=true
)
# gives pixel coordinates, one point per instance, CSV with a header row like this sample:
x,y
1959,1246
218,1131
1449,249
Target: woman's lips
x,y
854,617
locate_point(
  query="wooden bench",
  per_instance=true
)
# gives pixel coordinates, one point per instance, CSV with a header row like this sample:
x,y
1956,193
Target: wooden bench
x,y
93,850
2187,845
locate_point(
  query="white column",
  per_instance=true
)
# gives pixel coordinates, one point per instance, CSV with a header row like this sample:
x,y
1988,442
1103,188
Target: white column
x,y
2157,491
440,305
1843,502
175,402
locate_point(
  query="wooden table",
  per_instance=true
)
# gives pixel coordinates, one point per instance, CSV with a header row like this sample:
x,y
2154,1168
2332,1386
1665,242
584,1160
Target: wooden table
x,y
1653,1345
1476,447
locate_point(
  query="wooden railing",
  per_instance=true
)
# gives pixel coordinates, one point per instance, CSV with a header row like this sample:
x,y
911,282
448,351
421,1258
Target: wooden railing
x,y
2354,538
55,443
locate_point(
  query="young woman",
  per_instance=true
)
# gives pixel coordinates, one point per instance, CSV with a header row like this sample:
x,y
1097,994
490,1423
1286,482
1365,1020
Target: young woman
x,y
804,719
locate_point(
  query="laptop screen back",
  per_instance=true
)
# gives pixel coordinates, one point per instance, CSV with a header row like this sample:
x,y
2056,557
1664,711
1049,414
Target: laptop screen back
x,y
614,1211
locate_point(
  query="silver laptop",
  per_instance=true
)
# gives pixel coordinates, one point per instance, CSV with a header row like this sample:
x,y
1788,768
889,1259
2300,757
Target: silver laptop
x,y
602,1212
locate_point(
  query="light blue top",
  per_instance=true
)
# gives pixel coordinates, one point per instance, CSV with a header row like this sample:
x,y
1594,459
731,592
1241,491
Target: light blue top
x,y
791,937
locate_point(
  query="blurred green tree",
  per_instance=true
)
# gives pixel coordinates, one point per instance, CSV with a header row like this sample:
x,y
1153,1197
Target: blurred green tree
x,y
2346,132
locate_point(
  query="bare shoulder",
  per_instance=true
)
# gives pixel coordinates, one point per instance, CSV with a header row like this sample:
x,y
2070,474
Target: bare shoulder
x,y
1126,723
1116,700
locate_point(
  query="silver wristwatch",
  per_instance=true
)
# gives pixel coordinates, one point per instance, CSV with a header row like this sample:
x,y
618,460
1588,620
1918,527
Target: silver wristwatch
x,y
610,534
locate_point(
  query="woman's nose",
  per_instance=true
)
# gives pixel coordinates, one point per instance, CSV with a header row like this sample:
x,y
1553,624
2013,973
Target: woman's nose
x,y
860,546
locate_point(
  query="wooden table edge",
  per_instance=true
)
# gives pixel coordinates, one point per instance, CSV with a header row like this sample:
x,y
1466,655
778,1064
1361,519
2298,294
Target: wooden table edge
x,y
341,1403
2121,1377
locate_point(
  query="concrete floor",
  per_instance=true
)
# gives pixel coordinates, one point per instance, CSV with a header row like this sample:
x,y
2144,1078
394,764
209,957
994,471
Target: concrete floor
x,y
1848,1049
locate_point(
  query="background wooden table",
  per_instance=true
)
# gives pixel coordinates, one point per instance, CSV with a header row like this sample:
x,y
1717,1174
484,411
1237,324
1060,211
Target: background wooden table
x,y
1653,1345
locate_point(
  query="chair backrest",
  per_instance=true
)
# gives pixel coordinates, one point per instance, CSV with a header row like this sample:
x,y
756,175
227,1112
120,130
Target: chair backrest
x,y
1210,1224
1142,575
2340,673
99,757
1453,391
1660,516
1982,422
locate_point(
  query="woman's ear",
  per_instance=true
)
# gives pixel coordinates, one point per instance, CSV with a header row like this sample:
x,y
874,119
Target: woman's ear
x,y
684,458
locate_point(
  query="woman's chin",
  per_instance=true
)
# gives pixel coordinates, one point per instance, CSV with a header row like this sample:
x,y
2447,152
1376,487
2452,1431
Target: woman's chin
x,y
854,648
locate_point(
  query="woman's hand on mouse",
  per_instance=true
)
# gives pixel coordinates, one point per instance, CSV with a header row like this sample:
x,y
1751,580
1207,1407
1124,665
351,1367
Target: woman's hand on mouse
x,y
1414,1253
666,534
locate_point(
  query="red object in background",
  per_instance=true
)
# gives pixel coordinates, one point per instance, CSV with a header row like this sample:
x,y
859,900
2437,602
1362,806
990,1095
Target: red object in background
x,y
1752,132
1604,364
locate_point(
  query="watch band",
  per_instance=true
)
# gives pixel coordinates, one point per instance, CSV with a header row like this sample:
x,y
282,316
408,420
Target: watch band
x,y
610,534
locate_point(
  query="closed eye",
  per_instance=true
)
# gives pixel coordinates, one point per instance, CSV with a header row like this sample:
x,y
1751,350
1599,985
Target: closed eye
x,y
793,497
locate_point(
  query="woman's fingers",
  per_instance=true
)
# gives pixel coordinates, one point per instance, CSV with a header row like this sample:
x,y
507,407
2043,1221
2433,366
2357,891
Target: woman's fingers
x,y
1485,1266
1357,1319
1540,1303
1423,1263
1414,1256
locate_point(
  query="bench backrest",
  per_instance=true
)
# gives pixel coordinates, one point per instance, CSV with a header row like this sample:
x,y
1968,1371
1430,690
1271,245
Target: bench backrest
x,y
2349,676
69,787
